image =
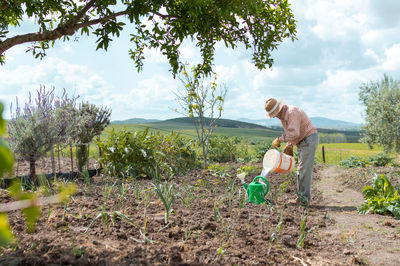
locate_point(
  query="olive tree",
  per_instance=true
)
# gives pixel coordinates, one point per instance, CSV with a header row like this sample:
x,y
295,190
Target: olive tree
x,y
38,125
258,25
382,124
203,101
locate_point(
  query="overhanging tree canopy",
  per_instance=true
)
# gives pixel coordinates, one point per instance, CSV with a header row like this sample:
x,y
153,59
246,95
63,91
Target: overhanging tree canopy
x,y
260,25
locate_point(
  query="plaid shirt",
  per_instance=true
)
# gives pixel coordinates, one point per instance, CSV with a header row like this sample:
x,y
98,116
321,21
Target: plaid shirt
x,y
296,125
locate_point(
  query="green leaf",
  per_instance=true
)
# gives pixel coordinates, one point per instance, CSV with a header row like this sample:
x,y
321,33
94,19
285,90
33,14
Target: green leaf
x,y
6,236
31,216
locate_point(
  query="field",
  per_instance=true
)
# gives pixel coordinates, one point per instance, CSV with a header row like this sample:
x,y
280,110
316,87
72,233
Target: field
x,y
188,130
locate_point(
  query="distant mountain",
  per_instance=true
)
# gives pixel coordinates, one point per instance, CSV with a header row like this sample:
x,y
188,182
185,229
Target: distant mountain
x,y
220,122
135,121
319,122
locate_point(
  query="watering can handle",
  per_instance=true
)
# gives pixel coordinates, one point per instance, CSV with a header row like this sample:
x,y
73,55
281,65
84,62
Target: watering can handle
x,y
266,182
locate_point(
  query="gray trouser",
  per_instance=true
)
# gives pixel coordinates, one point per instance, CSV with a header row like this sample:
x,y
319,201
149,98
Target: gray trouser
x,y
306,153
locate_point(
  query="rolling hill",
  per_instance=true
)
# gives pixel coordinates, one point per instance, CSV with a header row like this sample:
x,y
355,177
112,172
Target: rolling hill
x,y
228,127
319,122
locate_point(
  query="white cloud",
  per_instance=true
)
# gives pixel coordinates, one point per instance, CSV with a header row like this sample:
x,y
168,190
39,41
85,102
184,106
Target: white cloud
x,y
392,61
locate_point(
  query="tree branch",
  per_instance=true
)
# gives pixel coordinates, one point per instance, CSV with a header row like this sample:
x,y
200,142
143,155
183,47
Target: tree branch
x,y
4,6
67,29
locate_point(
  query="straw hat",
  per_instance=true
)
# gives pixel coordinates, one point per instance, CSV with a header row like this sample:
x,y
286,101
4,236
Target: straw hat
x,y
273,107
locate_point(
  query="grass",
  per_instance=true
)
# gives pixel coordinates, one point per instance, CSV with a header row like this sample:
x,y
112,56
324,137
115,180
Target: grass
x,y
336,152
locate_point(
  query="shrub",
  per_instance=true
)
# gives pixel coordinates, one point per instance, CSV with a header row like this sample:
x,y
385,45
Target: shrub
x,y
222,149
260,150
242,153
380,159
138,154
126,154
174,153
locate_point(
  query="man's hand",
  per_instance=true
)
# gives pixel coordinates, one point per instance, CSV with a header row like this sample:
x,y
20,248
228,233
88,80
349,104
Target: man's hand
x,y
276,143
288,150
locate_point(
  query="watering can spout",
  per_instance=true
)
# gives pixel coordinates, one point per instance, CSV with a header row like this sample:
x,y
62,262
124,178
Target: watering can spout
x,y
245,186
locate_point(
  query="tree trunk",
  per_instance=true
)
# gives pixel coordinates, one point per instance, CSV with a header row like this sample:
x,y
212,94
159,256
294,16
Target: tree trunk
x,y
32,168
53,161
72,159
59,159
81,156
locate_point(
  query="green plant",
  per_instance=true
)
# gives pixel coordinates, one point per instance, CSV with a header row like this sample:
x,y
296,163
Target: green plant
x,y
220,170
380,198
260,149
36,127
143,233
249,170
277,230
380,159
222,149
303,231
143,154
353,161
167,195
126,154
216,210
92,120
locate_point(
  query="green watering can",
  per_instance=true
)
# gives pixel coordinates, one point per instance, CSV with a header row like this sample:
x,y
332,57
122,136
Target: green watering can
x,y
257,190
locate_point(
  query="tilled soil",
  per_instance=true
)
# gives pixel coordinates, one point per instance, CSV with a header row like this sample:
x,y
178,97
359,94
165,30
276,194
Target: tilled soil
x,y
209,224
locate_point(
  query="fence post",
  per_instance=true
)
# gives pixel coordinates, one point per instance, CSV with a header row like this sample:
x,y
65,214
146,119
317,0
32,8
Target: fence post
x,y
323,153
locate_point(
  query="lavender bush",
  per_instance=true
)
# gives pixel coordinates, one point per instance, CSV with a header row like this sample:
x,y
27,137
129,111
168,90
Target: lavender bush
x,y
37,126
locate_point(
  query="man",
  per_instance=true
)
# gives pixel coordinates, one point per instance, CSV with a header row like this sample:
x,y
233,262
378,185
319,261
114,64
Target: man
x,y
298,130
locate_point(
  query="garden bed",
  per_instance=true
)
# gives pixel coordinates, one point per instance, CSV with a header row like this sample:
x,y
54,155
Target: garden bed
x,y
209,225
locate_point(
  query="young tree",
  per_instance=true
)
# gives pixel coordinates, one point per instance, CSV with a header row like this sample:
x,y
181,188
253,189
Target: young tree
x,y
91,122
36,128
382,101
260,25
203,102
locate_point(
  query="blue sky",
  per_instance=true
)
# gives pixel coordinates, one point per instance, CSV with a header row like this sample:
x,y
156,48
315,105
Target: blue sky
x,y
341,45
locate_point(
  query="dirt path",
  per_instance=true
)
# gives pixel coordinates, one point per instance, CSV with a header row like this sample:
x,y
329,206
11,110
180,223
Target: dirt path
x,y
375,239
